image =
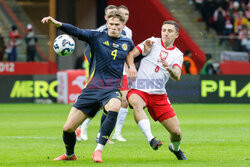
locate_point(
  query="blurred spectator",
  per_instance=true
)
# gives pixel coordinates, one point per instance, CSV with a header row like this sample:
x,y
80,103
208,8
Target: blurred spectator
x,y
245,43
208,68
239,21
189,66
13,42
242,34
235,9
229,27
31,41
2,46
207,10
219,18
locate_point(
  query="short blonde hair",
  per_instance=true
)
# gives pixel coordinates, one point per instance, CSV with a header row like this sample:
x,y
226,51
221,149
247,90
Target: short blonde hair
x,y
116,14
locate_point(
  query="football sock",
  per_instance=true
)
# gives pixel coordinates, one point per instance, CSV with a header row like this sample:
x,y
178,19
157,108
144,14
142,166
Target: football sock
x,y
99,147
144,125
69,141
175,145
84,126
107,127
98,134
104,115
120,120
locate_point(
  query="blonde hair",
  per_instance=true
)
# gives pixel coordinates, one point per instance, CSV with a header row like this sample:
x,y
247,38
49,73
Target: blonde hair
x,y
116,14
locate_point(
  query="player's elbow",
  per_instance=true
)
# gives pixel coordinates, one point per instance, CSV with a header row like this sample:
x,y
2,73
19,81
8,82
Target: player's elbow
x,y
176,78
176,75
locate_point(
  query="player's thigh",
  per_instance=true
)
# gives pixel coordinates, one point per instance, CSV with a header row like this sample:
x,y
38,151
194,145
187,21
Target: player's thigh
x,y
172,125
113,104
136,101
75,118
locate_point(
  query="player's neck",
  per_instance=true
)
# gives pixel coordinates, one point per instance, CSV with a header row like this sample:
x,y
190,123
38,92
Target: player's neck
x,y
167,45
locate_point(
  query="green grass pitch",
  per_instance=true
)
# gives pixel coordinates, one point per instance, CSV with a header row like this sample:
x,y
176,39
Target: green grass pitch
x,y
213,135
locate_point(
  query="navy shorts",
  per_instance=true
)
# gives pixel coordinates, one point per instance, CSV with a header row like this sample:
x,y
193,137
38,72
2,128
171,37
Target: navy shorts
x,y
91,100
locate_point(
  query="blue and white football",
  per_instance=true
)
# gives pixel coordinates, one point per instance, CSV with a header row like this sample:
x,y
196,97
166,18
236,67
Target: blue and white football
x,y
64,45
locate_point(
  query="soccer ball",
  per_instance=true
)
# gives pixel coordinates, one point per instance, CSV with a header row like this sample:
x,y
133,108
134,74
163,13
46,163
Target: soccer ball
x,y
64,45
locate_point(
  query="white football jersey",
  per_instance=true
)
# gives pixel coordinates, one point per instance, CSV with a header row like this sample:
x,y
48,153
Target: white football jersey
x,y
152,76
128,32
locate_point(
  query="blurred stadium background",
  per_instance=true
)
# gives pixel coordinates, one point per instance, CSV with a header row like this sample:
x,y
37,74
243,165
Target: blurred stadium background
x,y
197,35
54,79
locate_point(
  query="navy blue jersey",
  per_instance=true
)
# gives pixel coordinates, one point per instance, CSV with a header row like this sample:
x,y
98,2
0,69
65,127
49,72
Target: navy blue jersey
x,y
103,28
108,56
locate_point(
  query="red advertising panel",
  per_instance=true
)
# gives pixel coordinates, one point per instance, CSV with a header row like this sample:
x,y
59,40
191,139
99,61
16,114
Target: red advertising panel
x,y
27,68
70,85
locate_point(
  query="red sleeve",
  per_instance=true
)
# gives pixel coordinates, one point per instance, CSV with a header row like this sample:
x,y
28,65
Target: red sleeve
x,y
139,49
177,66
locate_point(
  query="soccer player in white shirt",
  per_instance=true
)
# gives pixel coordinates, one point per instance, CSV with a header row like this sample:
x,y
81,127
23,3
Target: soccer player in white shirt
x,y
162,61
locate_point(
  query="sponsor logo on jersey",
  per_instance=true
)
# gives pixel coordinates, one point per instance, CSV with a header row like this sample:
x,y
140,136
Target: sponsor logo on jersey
x,y
115,45
106,43
124,47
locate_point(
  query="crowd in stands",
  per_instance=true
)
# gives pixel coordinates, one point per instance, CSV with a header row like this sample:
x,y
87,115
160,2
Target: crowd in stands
x,y
230,19
8,47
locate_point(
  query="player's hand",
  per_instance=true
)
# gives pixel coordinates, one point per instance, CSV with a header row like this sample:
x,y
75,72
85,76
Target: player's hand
x,y
148,44
51,20
165,64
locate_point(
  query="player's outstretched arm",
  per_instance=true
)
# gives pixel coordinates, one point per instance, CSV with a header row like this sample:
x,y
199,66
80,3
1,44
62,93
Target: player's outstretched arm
x,y
67,28
51,20
175,72
132,72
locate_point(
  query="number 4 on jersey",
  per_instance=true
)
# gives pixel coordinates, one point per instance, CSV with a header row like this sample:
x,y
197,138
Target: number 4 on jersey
x,y
114,53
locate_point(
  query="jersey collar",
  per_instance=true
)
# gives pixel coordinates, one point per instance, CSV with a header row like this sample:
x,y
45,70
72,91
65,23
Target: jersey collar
x,y
167,48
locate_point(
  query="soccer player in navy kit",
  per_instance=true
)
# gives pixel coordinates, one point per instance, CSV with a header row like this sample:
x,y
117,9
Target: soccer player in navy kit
x,y
109,50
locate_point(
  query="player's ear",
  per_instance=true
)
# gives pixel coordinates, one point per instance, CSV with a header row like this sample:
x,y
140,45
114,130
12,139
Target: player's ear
x,y
105,17
177,34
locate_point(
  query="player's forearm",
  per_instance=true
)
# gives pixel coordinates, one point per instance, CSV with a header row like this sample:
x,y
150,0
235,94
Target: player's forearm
x,y
131,56
81,34
175,74
57,23
130,61
70,29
